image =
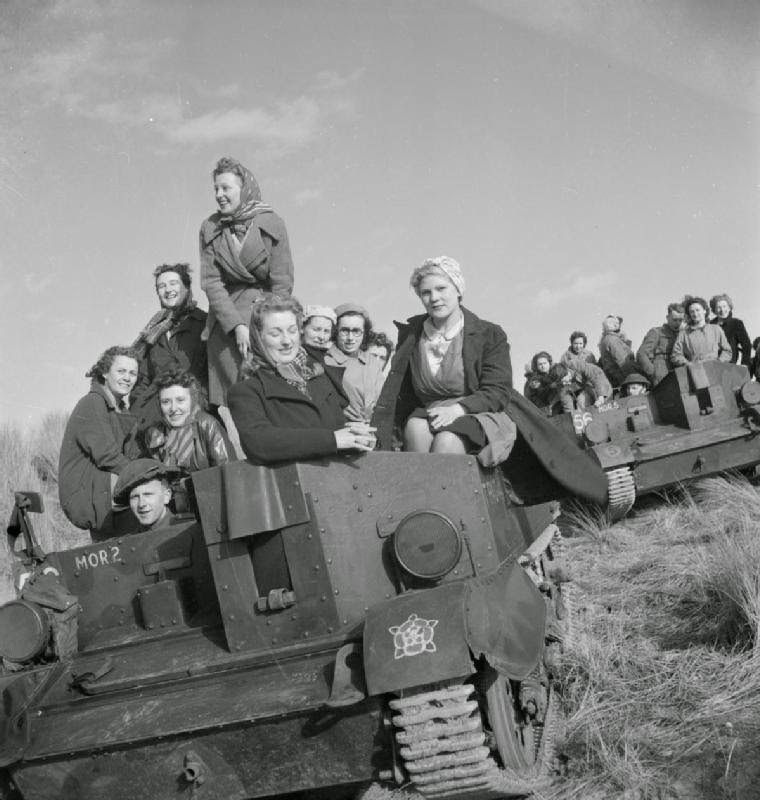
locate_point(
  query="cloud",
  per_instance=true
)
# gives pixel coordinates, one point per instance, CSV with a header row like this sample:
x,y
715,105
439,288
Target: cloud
x,y
287,125
306,196
580,286
331,81
709,47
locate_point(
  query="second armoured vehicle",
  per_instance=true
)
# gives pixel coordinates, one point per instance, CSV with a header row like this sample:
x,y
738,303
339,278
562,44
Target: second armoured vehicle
x,y
701,419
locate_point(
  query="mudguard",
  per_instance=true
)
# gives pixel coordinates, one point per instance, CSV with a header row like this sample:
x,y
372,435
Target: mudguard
x,y
431,635
17,693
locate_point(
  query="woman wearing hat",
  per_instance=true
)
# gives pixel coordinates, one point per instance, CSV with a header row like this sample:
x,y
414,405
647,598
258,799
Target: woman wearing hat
x,y
244,252
362,375
615,355
318,328
291,406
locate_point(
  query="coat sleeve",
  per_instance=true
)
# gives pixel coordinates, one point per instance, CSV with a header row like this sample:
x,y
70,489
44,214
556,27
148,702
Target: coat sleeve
x,y
620,352
645,353
280,262
212,284
94,435
495,375
265,443
598,380
744,344
219,449
678,357
724,348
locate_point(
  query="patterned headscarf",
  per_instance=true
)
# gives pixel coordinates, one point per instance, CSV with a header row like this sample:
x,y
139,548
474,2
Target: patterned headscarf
x,y
162,322
298,372
250,203
441,265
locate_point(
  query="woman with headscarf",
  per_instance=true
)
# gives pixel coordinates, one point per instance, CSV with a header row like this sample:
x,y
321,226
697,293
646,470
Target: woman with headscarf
x,y
616,357
291,406
450,383
244,252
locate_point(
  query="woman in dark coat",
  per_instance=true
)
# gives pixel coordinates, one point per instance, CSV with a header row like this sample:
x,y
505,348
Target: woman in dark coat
x,y
97,445
244,252
722,307
542,452
291,407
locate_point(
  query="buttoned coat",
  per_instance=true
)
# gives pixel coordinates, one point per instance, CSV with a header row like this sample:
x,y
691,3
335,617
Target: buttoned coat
x,y
653,355
543,451
276,422
93,449
233,282
616,357
700,343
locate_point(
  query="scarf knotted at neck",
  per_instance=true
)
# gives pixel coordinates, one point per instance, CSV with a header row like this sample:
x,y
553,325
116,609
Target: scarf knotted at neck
x,y
297,372
162,322
250,206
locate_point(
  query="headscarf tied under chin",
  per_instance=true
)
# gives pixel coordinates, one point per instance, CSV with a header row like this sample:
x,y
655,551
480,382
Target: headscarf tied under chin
x,y
298,372
250,204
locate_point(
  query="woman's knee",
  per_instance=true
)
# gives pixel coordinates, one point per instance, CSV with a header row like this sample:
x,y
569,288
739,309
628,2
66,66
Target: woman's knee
x,y
417,436
448,442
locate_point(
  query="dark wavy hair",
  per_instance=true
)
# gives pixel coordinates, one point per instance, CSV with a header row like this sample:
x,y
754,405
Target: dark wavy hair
x,y
271,304
381,339
541,354
576,334
180,377
105,361
367,327
182,269
677,307
689,301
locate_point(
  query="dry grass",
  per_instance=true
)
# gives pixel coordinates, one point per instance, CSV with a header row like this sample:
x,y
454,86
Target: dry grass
x,y
663,681
29,463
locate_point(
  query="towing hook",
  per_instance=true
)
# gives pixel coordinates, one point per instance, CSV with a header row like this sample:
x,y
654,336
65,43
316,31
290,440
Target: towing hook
x,y
195,769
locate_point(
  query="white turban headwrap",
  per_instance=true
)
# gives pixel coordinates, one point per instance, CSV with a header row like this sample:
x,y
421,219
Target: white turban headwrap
x,y
320,311
442,265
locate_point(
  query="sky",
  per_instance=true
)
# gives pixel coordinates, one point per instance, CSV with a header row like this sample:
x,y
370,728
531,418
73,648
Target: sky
x,y
578,158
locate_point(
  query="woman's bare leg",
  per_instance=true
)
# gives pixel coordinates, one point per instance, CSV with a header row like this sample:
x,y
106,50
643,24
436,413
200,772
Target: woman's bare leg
x,y
448,442
417,436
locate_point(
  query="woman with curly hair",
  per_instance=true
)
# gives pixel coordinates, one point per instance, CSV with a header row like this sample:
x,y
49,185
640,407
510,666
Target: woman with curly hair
x,y
187,437
98,443
722,307
244,252
698,340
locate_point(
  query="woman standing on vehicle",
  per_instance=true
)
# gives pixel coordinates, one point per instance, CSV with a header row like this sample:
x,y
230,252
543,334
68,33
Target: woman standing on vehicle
x,y
699,341
736,334
291,406
97,445
244,252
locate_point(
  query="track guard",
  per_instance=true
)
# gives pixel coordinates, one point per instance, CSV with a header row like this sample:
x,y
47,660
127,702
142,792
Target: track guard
x,y
416,638
506,620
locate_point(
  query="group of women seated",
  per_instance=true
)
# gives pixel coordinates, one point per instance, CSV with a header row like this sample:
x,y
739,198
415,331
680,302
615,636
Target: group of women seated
x,y
299,386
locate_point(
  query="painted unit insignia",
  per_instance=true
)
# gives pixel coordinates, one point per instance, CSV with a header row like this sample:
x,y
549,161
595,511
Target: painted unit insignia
x,y
415,636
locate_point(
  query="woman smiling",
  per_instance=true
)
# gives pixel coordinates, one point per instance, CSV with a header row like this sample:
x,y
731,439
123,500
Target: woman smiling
x,y
291,407
187,436
244,253
97,445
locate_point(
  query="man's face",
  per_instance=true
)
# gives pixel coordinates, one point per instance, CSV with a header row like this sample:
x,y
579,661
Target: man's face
x,y
170,290
350,333
674,320
148,501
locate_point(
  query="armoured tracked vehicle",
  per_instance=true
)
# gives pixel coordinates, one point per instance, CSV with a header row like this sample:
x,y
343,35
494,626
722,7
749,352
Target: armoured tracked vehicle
x,y
701,419
385,617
